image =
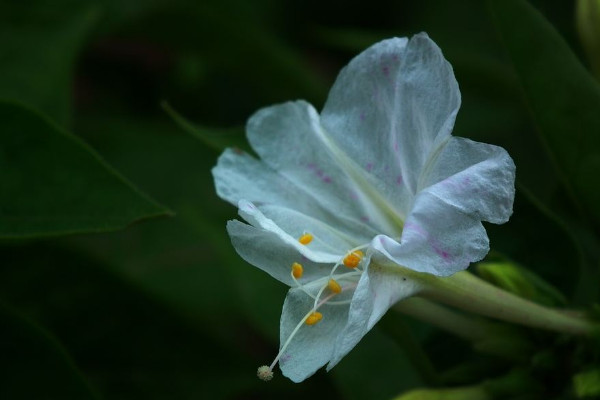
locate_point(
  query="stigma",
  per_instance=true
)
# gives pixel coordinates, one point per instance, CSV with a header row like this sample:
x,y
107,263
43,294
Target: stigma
x,y
324,290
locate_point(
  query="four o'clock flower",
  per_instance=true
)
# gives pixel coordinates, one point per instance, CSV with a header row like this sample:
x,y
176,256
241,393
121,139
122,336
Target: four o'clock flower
x,y
375,176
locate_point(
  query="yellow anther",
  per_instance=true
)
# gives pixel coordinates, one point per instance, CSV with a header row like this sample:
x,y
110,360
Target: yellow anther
x,y
334,286
306,238
314,318
297,270
353,259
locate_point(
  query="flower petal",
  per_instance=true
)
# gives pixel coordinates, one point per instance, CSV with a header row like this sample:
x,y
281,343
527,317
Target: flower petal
x,y
267,251
390,108
379,288
289,139
312,346
319,251
437,238
239,176
465,183
475,178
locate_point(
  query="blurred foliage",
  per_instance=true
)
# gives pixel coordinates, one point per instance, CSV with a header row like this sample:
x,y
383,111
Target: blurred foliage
x,y
59,185
165,308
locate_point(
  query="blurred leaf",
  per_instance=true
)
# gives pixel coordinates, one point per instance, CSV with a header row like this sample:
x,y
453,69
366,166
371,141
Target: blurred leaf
x,y
563,98
351,40
388,369
520,281
588,26
187,261
247,63
587,384
39,44
214,138
400,332
519,383
34,365
458,393
54,184
128,343
586,254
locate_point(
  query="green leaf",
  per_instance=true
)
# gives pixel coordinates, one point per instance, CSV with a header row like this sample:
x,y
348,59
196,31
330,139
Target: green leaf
x,y
54,184
587,384
114,326
218,139
172,257
39,44
400,332
386,365
563,97
520,281
34,364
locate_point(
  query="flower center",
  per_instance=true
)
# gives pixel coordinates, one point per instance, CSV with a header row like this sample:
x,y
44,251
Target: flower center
x,y
329,286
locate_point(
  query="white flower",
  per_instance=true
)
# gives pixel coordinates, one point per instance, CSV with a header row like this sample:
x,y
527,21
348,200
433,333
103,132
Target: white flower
x,y
376,175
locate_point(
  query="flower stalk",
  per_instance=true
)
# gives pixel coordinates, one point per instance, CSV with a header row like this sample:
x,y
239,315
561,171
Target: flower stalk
x,y
467,292
487,337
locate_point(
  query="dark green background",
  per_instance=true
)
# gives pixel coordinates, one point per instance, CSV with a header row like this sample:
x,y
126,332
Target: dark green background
x,y
117,279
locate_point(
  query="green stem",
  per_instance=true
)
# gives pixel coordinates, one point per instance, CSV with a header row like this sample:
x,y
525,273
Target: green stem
x,y
443,318
467,292
487,337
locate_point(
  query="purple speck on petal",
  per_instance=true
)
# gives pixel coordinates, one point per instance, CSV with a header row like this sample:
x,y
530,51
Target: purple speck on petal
x,y
284,359
396,148
364,219
386,70
362,116
399,180
369,167
442,253
415,228
319,172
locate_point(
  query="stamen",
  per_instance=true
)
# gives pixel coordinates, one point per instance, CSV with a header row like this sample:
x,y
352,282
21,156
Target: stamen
x,y
297,270
338,277
267,372
306,238
313,318
353,259
334,286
